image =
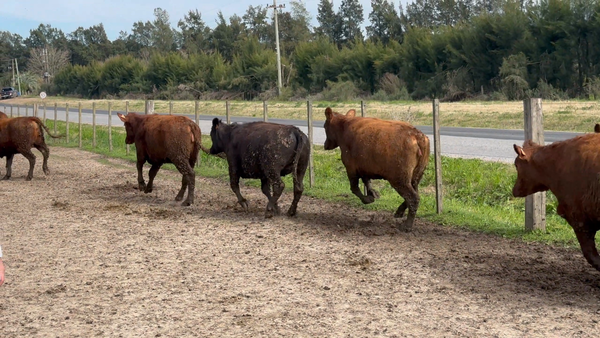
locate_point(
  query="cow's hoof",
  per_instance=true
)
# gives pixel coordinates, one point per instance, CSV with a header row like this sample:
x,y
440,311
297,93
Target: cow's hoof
x,y
178,198
28,178
6,178
277,210
291,212
186,204
269,214
142,186
46,171
147,190
405,226
368,199
244,204
399,215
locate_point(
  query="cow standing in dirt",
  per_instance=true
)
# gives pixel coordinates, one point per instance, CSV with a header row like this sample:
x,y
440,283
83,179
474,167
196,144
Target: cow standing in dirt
x,y
163,139
266,151
571,170
17,136
377,149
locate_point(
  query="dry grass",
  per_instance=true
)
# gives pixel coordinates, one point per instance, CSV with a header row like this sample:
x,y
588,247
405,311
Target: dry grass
x,y
558,115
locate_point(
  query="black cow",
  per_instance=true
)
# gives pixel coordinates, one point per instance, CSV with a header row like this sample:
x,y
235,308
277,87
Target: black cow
x,y
266,151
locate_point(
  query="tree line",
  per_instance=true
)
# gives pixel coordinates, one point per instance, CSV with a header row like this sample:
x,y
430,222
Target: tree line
x,y
448,49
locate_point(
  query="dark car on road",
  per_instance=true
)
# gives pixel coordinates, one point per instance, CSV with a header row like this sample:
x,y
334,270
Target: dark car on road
x,y
7,93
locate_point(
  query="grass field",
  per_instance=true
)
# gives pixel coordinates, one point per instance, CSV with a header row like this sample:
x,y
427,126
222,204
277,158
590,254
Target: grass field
x,y
558,115
477,194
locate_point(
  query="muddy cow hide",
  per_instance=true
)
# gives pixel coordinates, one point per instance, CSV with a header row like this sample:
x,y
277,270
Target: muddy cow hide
x,y
266,151
3,116
378,149
17,136
571,170
161,139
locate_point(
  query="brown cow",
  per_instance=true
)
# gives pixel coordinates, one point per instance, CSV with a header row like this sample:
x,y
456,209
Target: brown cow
x,y
377,149
3,116
163,139
571,170
17,136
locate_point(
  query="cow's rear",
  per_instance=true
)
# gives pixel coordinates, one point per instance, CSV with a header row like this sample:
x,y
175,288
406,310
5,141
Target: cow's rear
x,y
17,136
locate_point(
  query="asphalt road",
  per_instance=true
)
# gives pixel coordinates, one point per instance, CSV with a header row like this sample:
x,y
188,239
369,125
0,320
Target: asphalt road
x,y
482,143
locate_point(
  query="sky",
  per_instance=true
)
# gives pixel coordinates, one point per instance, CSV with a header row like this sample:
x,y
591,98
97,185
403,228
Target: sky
x,y
119,15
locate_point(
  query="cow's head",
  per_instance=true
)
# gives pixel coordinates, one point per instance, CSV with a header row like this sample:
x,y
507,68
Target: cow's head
x,y
529,180
331,141
218,137
129,127
597,128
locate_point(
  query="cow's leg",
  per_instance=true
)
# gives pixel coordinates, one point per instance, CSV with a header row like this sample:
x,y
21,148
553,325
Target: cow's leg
x,y
9,160
265,187
411,200
151,175
234,182
588,245
298,188
370,190
278,186
354,179
31,158
43,148
187,181
140,166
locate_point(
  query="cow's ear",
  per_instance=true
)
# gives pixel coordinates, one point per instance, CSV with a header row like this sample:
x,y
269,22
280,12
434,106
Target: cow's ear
x,y
519,151
597,128
216,122
351,113
328,113
122,117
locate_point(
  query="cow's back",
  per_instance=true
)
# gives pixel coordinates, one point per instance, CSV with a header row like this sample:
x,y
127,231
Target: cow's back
x,y
383,149
260,146
573,169
166,136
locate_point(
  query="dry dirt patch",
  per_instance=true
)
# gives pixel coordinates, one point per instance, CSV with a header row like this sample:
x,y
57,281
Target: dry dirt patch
x,y
89,255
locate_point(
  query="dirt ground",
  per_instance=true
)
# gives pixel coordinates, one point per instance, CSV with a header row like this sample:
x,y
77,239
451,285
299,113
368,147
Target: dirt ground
x,y
87,254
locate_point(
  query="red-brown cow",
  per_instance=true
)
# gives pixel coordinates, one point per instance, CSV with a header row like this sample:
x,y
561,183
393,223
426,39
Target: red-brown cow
x,y
3,116
377,149
17,136
571,170
163,139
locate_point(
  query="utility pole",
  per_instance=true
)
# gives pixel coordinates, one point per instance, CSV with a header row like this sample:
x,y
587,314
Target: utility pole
x,y
275,7
18,77
12,67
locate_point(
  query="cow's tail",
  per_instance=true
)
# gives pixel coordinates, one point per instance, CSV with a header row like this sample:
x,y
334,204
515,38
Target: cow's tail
x,y
422,158
43,126
301,142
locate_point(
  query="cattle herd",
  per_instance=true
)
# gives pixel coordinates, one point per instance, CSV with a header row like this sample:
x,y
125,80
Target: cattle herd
x,y
370,149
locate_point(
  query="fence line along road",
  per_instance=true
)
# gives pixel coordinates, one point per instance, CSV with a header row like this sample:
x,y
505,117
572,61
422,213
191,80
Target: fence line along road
x,y
482,143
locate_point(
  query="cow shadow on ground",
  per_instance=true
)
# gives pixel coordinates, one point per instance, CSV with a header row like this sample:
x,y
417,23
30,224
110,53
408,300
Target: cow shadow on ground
x,y
479,263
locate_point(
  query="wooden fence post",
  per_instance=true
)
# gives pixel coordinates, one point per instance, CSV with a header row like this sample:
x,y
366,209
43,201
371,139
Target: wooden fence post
x,y
438,156
80,128
197,119
110,145
44,113
35,110
311,169
265,112
170,107
127,112
67,121
149,107
18,111
363,109
535,204
11,112
227,118
94,144
55,116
